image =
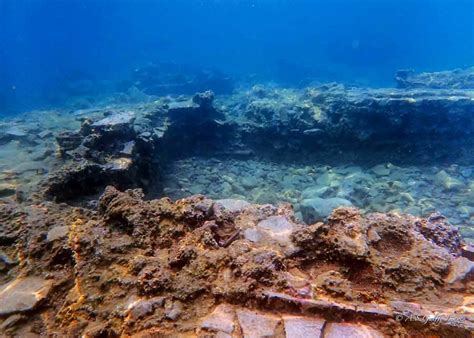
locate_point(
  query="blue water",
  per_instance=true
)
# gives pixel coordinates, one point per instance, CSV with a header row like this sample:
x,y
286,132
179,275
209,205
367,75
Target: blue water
x,y
45,44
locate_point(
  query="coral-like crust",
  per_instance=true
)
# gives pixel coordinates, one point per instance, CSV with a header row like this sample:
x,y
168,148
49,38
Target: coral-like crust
x,y
200,267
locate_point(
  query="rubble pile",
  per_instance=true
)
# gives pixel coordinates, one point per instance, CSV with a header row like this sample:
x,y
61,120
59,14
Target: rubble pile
x,y
108,151
229,268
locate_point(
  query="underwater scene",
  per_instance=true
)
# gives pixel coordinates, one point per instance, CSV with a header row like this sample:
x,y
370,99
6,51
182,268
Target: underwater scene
x,y
226,168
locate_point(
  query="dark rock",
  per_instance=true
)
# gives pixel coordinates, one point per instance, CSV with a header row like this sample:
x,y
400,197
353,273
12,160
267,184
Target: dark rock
x,y
330,119
68,141
195,111
104,152
204,99
468,251
378,310
7,189
6,262
437,229
75,180
11,321
182,258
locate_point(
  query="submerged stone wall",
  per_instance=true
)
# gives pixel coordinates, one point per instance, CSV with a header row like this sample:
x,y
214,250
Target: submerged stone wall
x,y
127,147
450,79
199,267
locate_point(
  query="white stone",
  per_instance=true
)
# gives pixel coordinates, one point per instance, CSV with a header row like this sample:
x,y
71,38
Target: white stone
x,y
220,320
381,170
257,325
296,327
23,294
58,232
340,330
233,205
461,268
253,235
278,227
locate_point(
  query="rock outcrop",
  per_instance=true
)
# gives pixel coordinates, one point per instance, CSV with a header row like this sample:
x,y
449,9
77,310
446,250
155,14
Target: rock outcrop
x,y
126,148
108,151
229,268
410,123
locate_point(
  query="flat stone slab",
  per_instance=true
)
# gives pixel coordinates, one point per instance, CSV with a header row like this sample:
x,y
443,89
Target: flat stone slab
x,y
307,304
339,330
375,309
296,327
115,119
407,308
220,320
58,232
23,294
15,132
232,205
176,105
257,325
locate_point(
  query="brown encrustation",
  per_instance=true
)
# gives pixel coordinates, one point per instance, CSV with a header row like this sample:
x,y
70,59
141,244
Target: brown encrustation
x,y
203,267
